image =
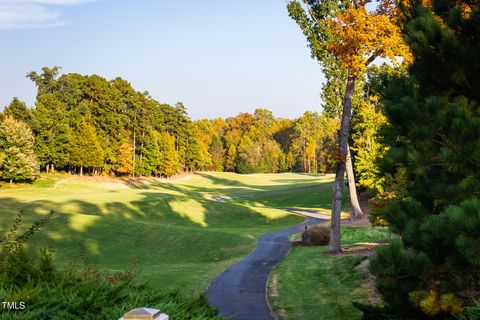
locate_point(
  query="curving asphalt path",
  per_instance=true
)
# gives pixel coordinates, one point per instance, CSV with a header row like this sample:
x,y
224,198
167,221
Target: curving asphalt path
x,y
240,291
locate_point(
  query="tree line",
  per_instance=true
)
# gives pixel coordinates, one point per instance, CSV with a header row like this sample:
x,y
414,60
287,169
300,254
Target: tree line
x,y
87,124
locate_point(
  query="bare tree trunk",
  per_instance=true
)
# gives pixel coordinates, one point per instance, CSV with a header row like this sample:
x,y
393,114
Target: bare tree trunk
x,y
340,170
356,209
81,170
134,145
133,158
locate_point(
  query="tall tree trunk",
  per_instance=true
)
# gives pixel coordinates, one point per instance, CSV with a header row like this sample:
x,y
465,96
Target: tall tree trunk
x,y
134,145
356,209
81,170
340,170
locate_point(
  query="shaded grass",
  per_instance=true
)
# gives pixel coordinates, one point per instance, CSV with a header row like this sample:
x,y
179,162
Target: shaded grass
x,y
179,237
308,284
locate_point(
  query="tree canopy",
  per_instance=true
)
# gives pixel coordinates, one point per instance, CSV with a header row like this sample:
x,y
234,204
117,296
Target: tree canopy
x,y
88,124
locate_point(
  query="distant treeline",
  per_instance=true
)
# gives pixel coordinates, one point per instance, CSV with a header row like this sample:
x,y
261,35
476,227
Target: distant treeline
x,y
87,124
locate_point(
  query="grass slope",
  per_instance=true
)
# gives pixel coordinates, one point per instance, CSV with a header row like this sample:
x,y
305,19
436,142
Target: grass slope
x,y
179,236
310,285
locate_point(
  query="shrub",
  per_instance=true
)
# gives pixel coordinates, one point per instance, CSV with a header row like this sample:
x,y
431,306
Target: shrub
x,y
378,204
471,312
319,235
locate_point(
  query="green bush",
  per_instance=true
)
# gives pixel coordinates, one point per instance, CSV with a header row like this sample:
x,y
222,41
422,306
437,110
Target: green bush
x,y
471,313
378,204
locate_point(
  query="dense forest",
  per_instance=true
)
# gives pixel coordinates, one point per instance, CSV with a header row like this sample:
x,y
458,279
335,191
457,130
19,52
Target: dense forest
x,y
88,124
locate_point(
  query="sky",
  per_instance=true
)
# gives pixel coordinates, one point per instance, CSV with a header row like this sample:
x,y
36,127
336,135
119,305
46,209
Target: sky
x,y
219,57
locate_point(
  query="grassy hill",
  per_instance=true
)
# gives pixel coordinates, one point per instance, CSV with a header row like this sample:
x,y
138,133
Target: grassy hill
x,y
179,236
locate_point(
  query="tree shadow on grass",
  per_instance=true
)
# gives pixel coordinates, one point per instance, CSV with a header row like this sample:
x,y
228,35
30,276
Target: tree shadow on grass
x,y
179,240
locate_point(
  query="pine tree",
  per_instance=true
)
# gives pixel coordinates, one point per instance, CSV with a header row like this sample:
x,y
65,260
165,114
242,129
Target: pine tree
x,y
217,153
85,149
169,162
50,127
17,157
434,114
151,156
18,110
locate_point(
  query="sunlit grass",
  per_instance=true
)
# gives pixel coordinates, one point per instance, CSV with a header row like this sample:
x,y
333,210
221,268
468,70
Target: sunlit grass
x,y
308,284
177,234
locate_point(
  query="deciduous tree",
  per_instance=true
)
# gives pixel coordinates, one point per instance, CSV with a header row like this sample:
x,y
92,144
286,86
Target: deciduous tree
x,y
17,157
347,34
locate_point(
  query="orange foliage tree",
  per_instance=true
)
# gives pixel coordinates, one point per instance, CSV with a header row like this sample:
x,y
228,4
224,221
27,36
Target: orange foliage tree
x,y
346,35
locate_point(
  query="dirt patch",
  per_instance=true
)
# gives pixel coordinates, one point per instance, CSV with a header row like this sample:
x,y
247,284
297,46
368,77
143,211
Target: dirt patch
x,y
273,293
369,284
366,209
365,249
273,289
296,244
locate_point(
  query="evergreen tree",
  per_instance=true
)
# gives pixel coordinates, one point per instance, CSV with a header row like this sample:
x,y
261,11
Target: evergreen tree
x,y
18,110
85,149
151,157
434,114
50,127
46,82
217,153
169,158
17,157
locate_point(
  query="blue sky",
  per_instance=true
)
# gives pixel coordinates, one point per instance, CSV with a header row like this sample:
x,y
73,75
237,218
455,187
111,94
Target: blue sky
x,y
219,57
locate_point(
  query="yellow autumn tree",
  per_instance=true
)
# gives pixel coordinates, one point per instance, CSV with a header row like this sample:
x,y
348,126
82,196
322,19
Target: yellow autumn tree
x,y
125,158
360,36
349,37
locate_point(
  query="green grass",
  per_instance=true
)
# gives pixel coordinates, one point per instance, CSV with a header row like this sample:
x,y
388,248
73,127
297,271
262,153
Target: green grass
x,y
308,284
179,237
319,199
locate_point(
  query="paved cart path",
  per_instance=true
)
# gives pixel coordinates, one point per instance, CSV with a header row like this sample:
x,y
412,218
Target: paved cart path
x,y
240,290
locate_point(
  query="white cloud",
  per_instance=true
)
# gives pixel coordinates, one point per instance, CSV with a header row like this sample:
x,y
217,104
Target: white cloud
x,y
17,14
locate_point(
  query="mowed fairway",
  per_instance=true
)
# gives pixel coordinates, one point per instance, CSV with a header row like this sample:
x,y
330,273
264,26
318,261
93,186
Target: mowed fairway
x,y
179,236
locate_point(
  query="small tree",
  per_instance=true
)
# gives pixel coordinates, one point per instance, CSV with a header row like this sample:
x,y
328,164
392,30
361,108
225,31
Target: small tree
x,y
17,158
